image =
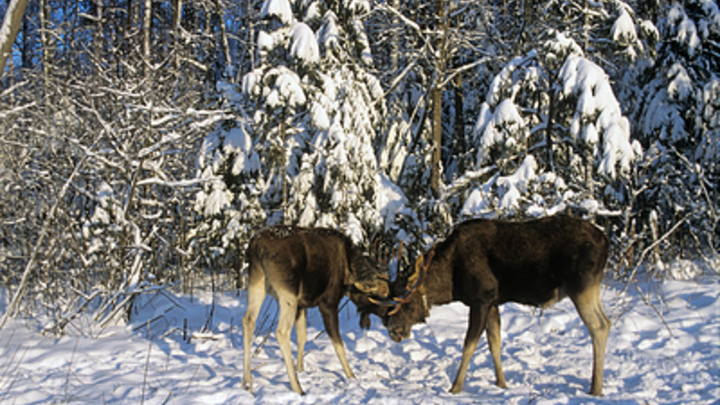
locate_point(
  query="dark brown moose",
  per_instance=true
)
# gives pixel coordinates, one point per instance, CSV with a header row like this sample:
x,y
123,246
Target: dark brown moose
x,y
485,263
305,268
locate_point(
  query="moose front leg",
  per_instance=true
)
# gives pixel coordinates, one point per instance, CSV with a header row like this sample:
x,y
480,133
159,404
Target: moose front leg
x,y
494,344
256,296
478,317
301,334
330,319
589,306
288,313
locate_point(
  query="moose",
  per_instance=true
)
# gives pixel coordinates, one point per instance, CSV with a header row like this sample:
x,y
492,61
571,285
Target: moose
x,y
304,268
485,263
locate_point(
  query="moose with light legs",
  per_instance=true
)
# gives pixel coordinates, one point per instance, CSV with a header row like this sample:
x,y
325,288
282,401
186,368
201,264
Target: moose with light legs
x,y
305,268
486,263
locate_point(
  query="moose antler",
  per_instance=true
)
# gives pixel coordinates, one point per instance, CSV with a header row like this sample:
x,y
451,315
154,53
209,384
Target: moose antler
x,y
405,298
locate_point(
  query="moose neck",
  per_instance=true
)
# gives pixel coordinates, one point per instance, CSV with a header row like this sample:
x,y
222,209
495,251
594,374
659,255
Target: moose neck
x,y
438,286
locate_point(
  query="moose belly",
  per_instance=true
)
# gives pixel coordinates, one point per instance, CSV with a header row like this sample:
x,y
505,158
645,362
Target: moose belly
x,y
539,298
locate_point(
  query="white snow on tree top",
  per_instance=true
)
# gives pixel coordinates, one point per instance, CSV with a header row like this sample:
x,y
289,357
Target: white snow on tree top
x,y
304,45
505,75
329,33
712,22
503,126
623,30
250,81
277,8
265,41
664,111
683,28
522,176
589,83
287,89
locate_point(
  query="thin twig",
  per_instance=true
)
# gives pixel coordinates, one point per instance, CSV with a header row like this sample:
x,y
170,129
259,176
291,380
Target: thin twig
x,y
647,250
13,371
36,249
147,363
69,370
651,305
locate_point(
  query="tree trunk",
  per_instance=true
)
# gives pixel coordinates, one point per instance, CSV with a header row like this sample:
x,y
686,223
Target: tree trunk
x,y
459,135
395,46
176,19
10,27
548,128
147,20
437,101
283,173
223,34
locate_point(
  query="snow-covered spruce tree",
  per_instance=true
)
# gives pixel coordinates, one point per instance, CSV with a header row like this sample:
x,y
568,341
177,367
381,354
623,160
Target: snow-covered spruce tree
x,y
277,100
312,110
549,136
678,117
228,202
337,184
609,32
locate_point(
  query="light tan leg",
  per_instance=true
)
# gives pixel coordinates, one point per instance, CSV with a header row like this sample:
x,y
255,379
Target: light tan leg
x,y
475,330
256,296
288,312
590,308
301,332
330,319
495,345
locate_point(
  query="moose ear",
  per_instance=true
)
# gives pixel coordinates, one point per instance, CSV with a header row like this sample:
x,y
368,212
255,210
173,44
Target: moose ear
x,y
365,321
376,287
418,269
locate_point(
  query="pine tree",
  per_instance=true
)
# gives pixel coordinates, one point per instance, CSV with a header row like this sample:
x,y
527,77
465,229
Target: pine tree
x,y
550,135
677,121
313,111
337,185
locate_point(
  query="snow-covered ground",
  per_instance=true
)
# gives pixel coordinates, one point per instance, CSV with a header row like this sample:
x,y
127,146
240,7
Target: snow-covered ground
x,y
664,348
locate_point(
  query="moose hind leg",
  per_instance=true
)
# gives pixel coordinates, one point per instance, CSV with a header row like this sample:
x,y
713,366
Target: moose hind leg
x,y
590,308
330,319
301,334
495,345
256,296
288,313
478,316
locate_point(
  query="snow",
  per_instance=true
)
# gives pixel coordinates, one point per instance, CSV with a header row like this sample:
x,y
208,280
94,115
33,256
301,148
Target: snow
x,y
546,354
303,45
517,183
684,28
218,199
665,106
287,89
711,24
505,75
586,80
391,201
278,8
250,82
265,41
329,34
681,85
319,116
623,30
505,120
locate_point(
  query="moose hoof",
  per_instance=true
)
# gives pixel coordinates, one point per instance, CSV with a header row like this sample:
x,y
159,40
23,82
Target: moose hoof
x,y
247,386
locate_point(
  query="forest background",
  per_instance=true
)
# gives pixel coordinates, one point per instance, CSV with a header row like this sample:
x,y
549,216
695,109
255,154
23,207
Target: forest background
x,y
142,142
